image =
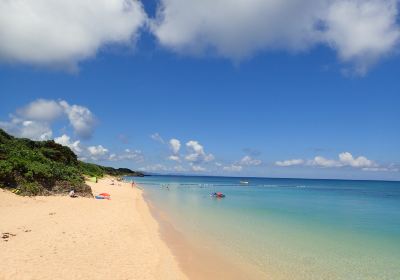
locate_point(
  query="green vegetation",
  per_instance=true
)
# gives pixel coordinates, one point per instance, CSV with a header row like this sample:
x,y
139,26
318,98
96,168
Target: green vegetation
x,y
45,167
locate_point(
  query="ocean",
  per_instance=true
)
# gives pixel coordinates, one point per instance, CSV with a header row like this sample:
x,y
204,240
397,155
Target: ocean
x,y
287,228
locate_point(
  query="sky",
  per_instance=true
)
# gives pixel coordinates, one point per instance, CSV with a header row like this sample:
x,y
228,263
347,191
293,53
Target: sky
x,y
303,89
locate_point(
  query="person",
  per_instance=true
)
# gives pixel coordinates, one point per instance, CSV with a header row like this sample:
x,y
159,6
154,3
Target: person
x,y
72,193
133,183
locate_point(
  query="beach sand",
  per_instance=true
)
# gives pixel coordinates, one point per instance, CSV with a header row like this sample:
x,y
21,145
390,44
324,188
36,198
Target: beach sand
x,y
59,237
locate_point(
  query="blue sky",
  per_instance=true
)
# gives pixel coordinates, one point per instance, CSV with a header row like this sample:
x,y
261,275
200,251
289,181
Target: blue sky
x,y
259,109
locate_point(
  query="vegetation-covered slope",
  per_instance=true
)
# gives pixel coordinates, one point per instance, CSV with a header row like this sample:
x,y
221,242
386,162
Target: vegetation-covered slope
x,y
45,167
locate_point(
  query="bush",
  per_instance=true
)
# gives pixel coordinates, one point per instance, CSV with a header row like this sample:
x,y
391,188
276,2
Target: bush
x,y
30,188
45,167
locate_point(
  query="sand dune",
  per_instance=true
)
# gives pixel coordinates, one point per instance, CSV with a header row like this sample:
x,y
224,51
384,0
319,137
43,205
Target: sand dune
x,y
81,238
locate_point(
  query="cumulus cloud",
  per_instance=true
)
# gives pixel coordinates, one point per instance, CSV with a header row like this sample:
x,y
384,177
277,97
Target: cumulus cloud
x,y
34,130
155,168
97,152
174,145
290,162
233,168
249,161
41,110
128,154
361,31
196,153
65,140
81,119
344,159
156,137
179,168
175,158
389,168
324,162
347,159
197,168
34,120
58,32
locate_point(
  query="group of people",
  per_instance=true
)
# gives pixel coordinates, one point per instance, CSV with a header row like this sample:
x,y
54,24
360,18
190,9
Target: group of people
x,y
73,194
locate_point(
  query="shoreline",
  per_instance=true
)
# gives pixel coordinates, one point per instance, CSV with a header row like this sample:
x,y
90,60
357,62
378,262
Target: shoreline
x,y
196,258
58,237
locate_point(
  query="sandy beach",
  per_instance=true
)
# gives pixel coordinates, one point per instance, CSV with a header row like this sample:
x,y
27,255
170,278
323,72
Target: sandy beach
x,y
59,237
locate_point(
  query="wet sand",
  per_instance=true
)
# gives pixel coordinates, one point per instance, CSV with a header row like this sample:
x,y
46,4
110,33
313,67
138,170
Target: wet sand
x,y
197,259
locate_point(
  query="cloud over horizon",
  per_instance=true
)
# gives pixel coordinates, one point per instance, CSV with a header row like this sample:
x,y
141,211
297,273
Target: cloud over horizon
x,y
345,159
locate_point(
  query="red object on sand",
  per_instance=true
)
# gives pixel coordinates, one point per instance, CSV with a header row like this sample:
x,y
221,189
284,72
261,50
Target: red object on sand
x,y
104,194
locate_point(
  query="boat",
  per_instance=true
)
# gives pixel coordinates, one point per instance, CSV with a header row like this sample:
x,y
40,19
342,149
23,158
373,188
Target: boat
x,y
244,182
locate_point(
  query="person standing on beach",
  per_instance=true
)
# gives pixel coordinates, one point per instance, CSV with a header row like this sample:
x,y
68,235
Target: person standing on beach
x,y
133,183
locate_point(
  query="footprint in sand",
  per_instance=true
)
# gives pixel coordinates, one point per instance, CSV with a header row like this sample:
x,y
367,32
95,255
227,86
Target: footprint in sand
x,y
6,236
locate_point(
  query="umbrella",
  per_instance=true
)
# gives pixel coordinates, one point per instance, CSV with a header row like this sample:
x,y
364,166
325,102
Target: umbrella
x,y
104,194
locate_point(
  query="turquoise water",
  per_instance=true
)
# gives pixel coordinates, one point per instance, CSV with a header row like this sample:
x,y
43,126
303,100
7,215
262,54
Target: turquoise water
x,y
289,228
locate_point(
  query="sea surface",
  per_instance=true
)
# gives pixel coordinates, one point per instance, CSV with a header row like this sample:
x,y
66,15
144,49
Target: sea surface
x,y
288,228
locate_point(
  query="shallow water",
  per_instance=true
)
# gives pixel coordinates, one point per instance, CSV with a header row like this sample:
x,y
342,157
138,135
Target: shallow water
x,y
289,228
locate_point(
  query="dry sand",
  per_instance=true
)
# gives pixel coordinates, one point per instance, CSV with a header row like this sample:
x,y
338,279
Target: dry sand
x,y
83,238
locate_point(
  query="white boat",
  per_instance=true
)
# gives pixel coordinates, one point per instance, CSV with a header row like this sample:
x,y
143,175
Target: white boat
x,y
244,182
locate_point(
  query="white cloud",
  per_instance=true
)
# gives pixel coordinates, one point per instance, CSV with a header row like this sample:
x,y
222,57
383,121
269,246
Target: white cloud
x,y
179,168
347,159
34,130
65,140
324,162
162,168
81,119
174,158
34,120
97,152
157,137
174,145
197,168
249,161
388,168
233,168
344,159
196,153
290,162
128,154
58,32
41,110
155,168
380,169
360,30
